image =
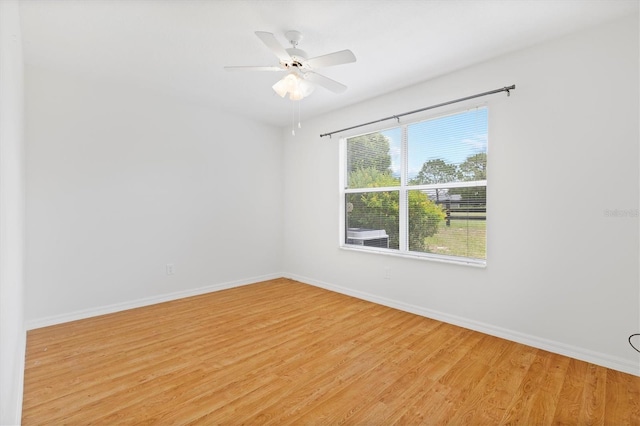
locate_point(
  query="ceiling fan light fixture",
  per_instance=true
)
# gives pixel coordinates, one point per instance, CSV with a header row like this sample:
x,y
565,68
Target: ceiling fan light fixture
x,y
293,84
305,87
280,88
296,95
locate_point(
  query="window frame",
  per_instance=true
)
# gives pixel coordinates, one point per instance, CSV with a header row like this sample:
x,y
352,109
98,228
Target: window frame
x,y
403,191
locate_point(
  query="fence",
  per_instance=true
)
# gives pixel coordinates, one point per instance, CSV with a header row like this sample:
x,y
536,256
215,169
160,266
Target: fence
x,y
463,209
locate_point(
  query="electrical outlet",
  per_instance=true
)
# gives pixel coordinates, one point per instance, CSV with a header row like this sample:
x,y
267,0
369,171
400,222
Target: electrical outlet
x,y
387,273
171,269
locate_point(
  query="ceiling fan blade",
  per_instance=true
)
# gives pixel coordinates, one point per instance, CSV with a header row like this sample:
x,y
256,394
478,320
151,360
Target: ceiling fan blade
x,y
270,41
325,82
335,58
250,68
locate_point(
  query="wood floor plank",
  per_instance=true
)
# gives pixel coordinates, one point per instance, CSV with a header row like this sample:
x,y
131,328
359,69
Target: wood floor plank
x,y
468,406
593,396
570,396
282,352
520,409
622,400
545,400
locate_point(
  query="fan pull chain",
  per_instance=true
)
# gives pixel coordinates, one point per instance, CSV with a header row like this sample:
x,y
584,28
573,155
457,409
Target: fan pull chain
x,y
293,120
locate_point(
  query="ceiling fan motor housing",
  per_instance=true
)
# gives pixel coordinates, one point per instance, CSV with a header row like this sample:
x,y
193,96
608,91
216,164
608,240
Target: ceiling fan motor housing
x,y
298,57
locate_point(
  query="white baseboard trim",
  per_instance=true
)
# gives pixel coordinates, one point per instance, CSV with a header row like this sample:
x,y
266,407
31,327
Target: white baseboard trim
x,y
118,307
21,364
604,360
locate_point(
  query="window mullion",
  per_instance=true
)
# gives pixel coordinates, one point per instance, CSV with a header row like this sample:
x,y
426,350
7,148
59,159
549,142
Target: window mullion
x,y
403,210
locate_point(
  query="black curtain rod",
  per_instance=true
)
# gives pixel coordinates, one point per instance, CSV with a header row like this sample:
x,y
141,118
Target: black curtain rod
x,y
397,116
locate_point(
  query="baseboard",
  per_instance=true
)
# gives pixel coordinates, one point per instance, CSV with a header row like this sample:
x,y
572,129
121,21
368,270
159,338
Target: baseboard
x,y
22,358
118,307
13,413
604,360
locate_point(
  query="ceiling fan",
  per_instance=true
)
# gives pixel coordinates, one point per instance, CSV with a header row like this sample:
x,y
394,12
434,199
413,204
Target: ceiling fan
x,y
301,77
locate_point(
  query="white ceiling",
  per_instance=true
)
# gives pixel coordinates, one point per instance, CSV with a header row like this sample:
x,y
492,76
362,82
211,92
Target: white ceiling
x,y
181,46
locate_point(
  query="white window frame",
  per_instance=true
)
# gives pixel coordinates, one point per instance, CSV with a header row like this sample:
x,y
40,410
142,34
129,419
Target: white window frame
x,y
403,189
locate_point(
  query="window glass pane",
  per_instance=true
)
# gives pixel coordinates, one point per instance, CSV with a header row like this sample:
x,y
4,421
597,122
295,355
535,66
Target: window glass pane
x,y
460,230
373,160
425,217
372,219
448,149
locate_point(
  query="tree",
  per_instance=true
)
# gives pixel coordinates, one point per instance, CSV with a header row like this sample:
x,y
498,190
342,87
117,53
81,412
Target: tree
x,y
380,210
369,166
424,218
370,177
368,151
374,210
473,168
437,171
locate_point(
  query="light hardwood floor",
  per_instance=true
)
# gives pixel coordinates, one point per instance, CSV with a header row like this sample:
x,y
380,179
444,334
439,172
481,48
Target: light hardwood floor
x,y
282,352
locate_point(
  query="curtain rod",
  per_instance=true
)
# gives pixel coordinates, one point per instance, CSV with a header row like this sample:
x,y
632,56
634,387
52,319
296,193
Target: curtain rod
x,y
397,116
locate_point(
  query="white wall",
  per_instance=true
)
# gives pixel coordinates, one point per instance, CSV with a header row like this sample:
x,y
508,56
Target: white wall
x,y
121,182
12,334
563,149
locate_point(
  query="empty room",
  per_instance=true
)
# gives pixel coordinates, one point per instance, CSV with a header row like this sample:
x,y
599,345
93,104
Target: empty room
x,y
319,212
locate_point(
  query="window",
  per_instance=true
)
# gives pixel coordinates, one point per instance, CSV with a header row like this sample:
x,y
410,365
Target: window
x,y
419,189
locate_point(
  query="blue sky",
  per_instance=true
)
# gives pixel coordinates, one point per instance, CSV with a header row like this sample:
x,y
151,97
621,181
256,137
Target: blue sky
x,y
452,138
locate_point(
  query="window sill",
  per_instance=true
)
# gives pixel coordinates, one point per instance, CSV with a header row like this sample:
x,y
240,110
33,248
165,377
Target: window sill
x,y
410,255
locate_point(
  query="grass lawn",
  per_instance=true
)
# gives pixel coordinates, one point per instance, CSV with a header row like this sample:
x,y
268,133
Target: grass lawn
x,y
463,238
